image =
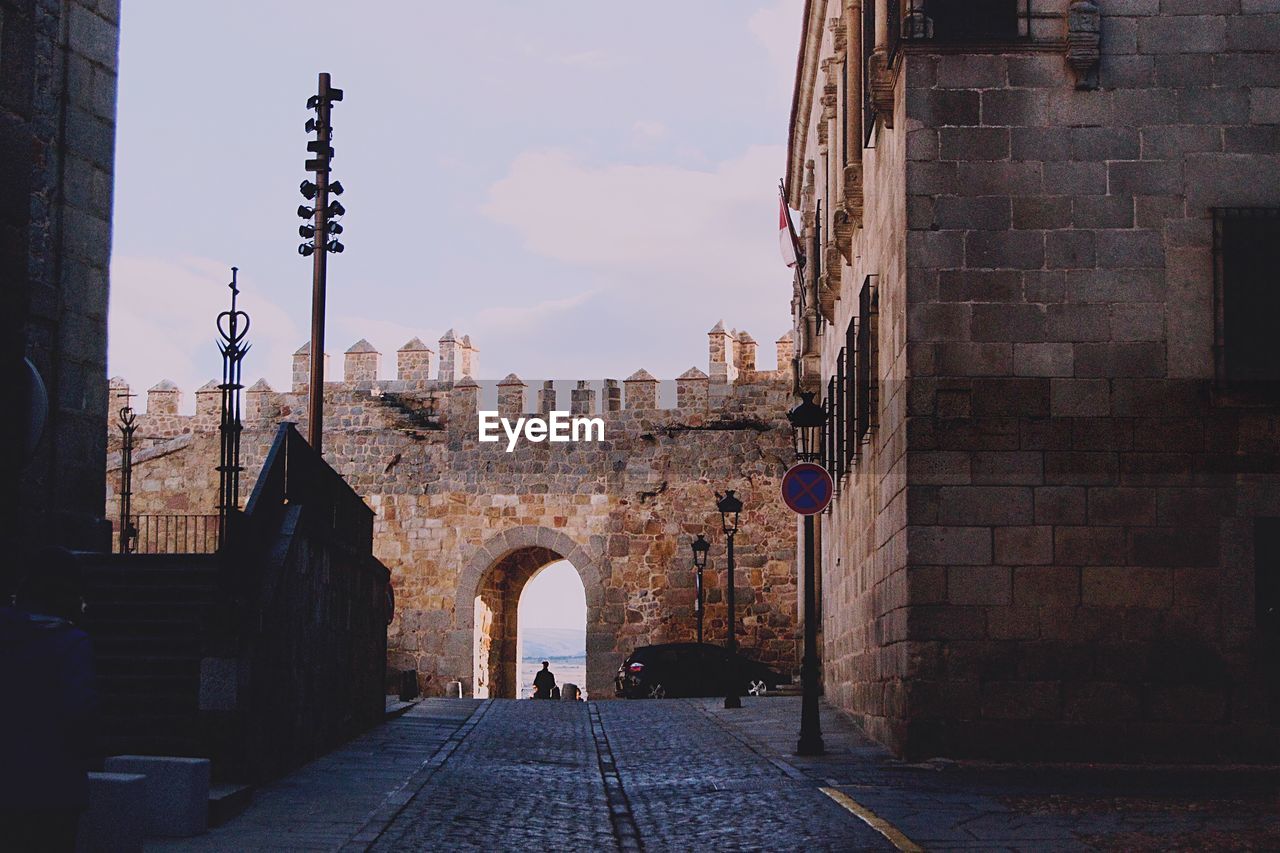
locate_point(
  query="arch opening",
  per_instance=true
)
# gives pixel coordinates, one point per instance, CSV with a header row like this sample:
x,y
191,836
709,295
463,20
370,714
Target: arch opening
x,y
497,634
552,627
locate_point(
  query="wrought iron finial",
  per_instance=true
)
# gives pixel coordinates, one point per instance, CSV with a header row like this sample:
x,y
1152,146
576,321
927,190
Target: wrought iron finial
x,y
232,326
128,425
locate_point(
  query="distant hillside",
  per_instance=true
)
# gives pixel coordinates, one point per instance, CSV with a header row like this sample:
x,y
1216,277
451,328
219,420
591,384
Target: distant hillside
x,y
546,643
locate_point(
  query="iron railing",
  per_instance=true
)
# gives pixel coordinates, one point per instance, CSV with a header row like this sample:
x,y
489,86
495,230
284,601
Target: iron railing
x,y
171,534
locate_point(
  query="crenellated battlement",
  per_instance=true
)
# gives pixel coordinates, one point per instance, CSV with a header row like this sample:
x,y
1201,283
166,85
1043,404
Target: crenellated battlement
x,y
447,490
445,384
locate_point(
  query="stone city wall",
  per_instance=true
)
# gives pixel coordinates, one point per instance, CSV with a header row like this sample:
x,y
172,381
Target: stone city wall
x,y
463,524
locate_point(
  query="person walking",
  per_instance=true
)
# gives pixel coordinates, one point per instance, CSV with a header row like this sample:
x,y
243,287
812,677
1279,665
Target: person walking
x,y
49,706
544,682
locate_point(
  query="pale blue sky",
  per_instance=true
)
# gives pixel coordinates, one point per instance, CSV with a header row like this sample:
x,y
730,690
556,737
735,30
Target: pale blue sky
x,y
583,187
553,598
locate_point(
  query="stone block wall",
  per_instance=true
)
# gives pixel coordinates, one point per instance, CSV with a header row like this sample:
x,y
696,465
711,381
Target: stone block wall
x,y
457,518
1079,498
57,140
1074,513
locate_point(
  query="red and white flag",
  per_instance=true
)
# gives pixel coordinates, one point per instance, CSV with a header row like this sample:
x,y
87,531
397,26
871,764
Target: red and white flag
x,y
787,241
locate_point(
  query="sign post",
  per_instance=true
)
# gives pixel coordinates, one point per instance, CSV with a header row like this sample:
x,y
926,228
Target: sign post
x,y
807,489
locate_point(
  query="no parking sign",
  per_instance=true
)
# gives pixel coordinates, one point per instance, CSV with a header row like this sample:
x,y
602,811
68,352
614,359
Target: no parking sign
x,y
806,488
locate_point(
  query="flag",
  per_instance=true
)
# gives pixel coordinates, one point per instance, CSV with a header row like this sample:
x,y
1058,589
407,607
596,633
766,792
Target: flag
x,y
787,241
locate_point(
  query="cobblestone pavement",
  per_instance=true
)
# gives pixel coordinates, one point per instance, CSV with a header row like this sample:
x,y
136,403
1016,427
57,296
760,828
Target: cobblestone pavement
x,y
325,803
943,805
686,774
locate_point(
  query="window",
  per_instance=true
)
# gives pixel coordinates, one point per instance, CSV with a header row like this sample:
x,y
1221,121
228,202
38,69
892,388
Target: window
x,y
868,391
952,21
1266,575
1246,246
849,423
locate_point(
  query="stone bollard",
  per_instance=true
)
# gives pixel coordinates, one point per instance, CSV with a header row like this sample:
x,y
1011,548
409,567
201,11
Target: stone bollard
x,y
453,690
116,817
176,791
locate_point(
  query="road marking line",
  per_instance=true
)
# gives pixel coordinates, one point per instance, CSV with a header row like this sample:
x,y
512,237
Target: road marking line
x,y
873,820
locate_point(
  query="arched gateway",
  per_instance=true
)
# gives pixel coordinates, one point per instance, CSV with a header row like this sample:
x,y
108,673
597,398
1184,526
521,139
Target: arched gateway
x,y
488,595
463,523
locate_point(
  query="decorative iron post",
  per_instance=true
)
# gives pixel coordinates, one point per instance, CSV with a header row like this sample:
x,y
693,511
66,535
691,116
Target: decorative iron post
x,y
322,239
233,349
128,425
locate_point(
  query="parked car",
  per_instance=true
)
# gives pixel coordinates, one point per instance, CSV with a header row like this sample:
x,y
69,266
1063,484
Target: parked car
x,y
690,669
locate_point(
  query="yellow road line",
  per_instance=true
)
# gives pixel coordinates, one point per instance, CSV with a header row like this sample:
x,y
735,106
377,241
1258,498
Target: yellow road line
x,y
873,820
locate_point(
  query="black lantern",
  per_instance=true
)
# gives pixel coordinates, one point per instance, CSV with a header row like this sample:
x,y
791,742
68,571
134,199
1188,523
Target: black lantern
x,y
729,507
807,420
700,548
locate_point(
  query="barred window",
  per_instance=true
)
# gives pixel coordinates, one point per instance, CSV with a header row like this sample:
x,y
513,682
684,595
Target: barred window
x,y
1246,245
849,422
960,21
868,391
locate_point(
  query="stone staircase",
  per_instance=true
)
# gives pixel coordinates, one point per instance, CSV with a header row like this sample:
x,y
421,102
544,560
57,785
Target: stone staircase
x,y
148,616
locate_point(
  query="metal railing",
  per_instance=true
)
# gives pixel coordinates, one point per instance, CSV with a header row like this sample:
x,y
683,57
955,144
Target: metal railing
x,y
172,534
964,21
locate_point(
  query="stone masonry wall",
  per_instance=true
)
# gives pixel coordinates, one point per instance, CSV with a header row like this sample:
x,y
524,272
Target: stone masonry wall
x,y
1071,573
1079,511
57,140
456,516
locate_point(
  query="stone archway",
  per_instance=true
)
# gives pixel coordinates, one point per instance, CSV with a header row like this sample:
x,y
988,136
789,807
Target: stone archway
x,y
488,595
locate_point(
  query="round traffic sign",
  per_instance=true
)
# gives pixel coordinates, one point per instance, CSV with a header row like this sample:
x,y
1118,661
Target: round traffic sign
x,y
806,488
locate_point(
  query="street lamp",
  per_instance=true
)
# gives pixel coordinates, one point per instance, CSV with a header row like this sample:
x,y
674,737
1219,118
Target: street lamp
x,y
807,422
729,507
700,548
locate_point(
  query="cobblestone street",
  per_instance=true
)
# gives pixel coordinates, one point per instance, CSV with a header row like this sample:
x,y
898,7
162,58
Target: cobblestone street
x,y
687,774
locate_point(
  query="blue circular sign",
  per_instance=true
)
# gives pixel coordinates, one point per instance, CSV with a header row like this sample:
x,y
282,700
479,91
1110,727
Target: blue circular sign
x,y
807,488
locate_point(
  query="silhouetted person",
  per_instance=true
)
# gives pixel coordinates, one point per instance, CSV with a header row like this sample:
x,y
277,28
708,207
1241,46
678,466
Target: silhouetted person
x,y
47,708
544,682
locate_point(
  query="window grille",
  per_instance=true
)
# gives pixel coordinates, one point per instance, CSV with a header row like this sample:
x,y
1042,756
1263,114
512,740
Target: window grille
x,y
964,21
868,391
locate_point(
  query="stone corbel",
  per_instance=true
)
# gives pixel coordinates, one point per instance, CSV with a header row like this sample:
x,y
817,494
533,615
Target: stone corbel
x,y
880,78
827,295
1084,35
848,215
839,36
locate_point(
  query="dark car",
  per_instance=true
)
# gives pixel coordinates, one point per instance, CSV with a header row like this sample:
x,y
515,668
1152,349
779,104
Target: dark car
x,y
691,669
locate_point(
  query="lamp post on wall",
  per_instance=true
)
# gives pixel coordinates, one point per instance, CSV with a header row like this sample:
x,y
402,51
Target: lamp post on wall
x,y
807,422
700,547
729,507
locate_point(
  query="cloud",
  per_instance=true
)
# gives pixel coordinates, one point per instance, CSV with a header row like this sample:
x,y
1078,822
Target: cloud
x,y
777,28
650,129
162,317
701,241
500,317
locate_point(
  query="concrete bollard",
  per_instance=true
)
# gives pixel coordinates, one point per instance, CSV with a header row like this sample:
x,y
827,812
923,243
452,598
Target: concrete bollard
x,y
116,817
177,792
453,690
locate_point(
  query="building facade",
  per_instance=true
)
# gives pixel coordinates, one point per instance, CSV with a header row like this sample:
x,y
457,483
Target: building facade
x,y
1041,251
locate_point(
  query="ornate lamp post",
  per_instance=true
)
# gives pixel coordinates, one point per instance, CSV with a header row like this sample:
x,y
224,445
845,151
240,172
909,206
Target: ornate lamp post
x,y
700,547
128,425
729,507
807,422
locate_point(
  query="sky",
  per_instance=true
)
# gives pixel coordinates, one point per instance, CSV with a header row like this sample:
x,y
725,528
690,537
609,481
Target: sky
x,y
553,598
584,188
